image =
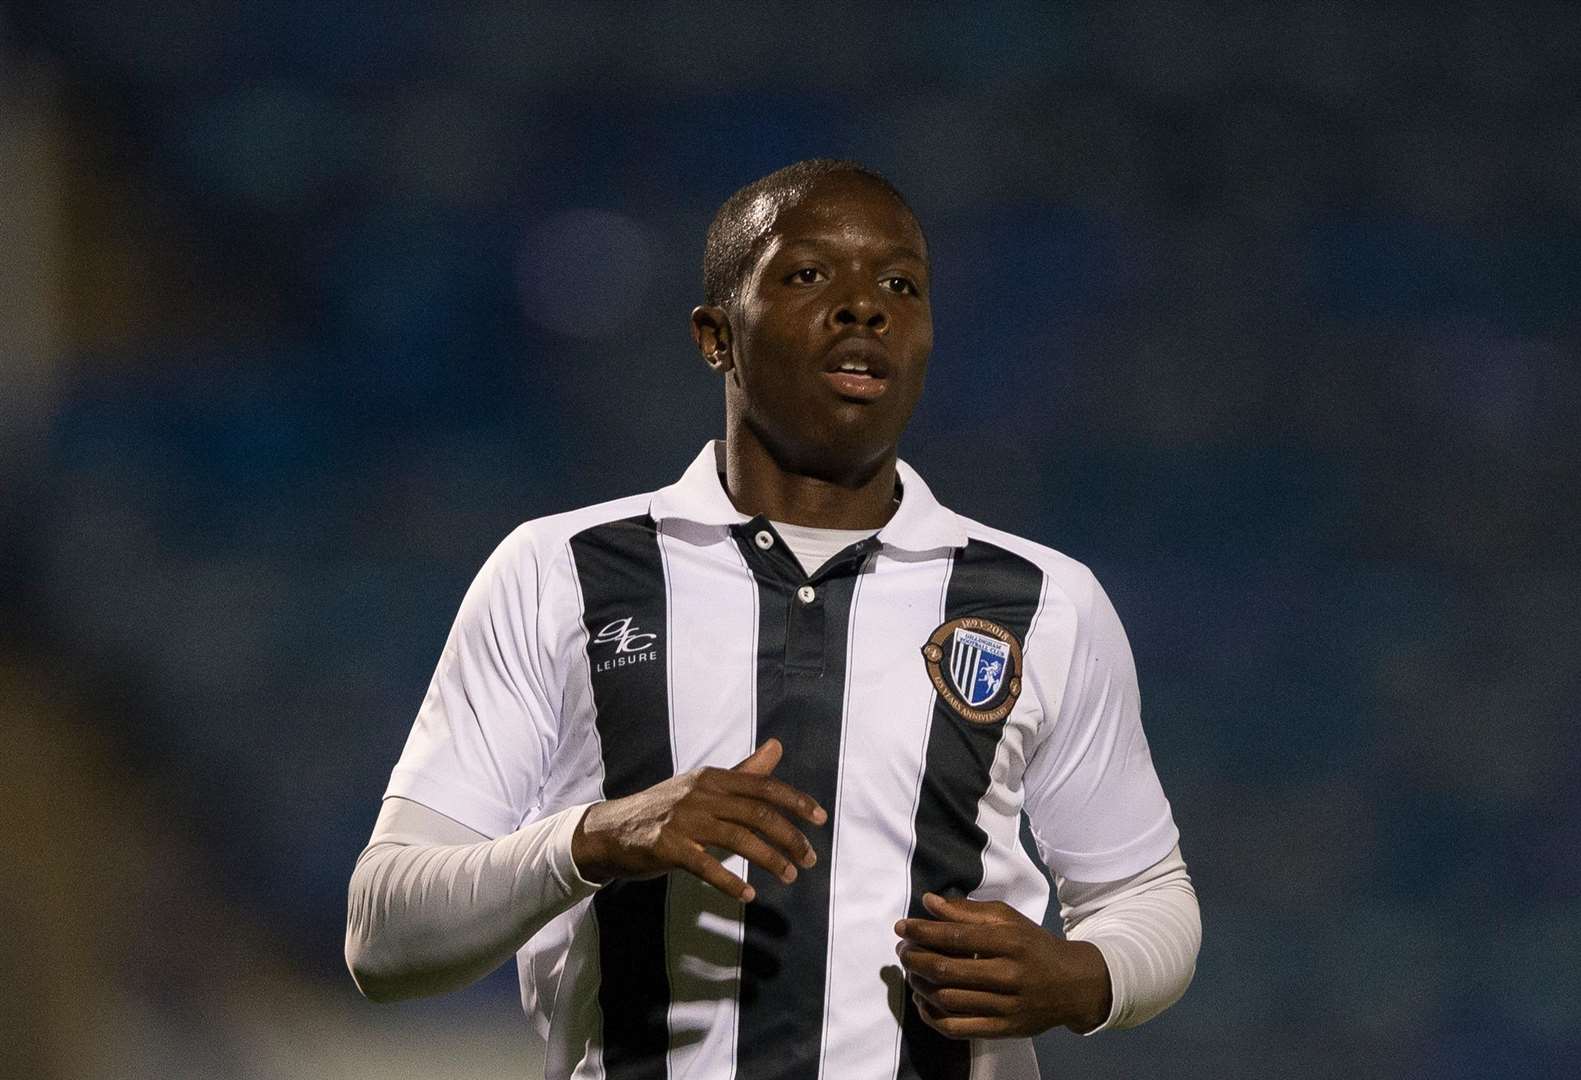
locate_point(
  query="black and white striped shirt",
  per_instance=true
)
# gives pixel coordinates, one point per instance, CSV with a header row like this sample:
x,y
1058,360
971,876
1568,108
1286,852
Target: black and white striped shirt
x,y
929,684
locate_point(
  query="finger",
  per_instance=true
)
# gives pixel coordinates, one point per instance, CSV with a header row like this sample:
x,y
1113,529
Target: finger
x,y
957,939
930,1015
764,820
761,761
960,1027
960,909
744,842
767,789
693,859
996,975
956,1002
992,974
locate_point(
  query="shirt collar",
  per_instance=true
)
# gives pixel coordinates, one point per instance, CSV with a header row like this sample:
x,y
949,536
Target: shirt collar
x,y
920,523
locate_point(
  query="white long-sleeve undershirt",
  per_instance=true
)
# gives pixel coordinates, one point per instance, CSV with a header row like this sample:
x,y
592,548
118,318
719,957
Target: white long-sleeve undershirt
x,y
435,905
1148,928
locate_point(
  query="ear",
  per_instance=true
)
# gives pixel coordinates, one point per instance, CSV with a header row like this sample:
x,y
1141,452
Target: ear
x,y
711,332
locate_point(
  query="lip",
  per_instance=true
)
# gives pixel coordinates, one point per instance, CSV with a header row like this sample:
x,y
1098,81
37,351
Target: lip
x,y
855,387
867,349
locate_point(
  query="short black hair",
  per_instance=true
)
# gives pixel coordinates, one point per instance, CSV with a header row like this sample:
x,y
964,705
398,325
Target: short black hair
x,y
744,221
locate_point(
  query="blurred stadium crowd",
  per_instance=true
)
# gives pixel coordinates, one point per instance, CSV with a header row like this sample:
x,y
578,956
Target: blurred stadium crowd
x,y
1267,313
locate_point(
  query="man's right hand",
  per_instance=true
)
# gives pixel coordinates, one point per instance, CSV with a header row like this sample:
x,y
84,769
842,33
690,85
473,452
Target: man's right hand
x,y
670,825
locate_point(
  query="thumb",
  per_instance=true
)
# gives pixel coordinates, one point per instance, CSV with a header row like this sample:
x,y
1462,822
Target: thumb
x,y
762,761
969,911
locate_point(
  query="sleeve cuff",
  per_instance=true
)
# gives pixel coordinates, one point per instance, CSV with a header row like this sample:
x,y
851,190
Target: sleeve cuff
x,y
558,848
473,808
1117,991
1119,863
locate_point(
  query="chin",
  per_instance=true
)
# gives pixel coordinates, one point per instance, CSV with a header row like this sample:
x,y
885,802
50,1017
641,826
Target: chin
x,y
837,450
836,442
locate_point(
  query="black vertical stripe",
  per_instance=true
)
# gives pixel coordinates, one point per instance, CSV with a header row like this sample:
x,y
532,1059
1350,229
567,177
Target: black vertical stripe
x,y
801,669
621,576
991,583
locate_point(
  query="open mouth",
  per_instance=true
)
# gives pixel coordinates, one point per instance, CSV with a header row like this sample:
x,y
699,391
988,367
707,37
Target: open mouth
x,y
858,369
860,386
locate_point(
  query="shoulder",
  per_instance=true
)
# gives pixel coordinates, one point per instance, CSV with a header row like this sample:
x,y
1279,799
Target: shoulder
x,y
540,542
1076,624
1067,582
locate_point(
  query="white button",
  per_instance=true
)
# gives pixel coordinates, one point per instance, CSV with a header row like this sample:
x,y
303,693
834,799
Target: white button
x,y
806,594
764,539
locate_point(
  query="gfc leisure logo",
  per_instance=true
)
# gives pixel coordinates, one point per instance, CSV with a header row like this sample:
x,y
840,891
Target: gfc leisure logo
x,y
632,645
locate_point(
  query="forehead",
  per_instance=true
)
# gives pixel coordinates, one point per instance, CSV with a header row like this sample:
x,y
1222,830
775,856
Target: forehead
x,y
841,208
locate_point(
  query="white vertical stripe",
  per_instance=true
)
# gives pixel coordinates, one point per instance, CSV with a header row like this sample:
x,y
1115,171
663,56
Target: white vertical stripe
x,y
712,651
888,709
839,800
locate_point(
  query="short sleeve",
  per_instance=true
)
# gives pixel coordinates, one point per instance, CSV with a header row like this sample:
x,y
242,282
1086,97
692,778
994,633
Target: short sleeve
x,y
1093,799
479,748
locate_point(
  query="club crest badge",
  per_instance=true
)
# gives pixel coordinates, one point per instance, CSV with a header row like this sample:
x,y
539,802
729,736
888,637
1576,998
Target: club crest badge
x,y
975,666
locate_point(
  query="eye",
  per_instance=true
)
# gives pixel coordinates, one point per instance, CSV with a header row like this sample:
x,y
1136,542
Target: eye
x,y
807,275
899,284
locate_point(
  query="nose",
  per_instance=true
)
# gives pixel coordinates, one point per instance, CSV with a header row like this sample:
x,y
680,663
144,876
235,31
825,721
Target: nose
x,y
863,309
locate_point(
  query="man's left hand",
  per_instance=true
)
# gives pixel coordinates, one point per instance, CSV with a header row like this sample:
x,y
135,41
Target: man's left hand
x,y
982,970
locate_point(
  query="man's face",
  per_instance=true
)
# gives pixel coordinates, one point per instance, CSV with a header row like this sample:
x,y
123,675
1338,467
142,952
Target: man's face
x,y
832,329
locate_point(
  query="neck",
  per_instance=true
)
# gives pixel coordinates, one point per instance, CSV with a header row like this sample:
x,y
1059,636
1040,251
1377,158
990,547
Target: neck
x,y
758,482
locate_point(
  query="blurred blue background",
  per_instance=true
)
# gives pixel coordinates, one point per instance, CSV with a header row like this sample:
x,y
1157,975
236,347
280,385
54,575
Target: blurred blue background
x,y
1268,311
